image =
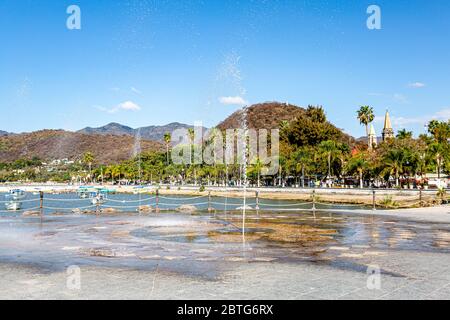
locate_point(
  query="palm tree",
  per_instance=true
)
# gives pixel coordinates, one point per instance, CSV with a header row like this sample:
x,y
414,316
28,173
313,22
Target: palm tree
x,y
88,158
403,134
115,171
303,158
359,164
439,130
366,117
437,152
258,166
394,162
167,139
329,148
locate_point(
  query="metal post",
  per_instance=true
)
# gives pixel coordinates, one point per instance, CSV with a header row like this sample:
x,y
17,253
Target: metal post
x,y
374,200
257,200
41,205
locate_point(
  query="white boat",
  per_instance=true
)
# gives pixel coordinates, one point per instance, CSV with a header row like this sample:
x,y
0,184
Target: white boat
x,y
13,206
99,199
16,194
83,195
84,192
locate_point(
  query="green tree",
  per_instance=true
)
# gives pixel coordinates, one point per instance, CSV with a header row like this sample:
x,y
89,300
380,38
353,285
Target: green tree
x,y
366,117
437,152
167,139
303,157
359,164
329,149
88,159
403,134
394,162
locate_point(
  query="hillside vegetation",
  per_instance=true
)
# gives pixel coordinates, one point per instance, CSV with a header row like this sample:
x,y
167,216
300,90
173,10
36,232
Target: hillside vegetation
x,y
59,144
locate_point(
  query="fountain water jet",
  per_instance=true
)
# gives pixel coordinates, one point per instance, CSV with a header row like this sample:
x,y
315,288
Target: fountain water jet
x,y
244,170
137,151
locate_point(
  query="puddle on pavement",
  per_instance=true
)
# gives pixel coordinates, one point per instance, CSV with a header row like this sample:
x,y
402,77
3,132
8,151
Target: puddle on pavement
x,y
203,244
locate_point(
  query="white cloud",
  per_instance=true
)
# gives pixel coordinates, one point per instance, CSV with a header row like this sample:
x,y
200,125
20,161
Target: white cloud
x,y
400,98
125,106
396,97
129,106
137,91
239,101
417,85
401,122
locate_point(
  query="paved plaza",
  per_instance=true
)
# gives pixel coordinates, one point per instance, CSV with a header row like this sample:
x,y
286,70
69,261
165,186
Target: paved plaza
x,y
295,256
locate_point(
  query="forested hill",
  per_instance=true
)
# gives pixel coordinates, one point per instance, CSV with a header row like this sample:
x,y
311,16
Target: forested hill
x,y
115,142
59,144
299,126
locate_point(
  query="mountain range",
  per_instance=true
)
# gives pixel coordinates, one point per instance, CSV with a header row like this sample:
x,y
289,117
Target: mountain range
x,y
115,142
155,133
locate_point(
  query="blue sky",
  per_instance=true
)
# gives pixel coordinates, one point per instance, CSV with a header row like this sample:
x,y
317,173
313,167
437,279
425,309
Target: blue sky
x,y
153,62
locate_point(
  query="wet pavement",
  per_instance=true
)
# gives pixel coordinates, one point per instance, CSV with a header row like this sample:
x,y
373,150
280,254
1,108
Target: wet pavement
x,y
292,255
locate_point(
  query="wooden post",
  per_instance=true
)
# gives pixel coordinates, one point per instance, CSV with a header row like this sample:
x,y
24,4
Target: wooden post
x,y
41,205
374,200
97,204
257,200
314,199
420,197
157,201
150,203
210,209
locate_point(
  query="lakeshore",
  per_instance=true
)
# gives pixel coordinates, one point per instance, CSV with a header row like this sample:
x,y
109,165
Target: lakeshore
x,y
385,198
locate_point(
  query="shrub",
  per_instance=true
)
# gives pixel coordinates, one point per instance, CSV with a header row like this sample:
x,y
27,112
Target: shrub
x,y
388,202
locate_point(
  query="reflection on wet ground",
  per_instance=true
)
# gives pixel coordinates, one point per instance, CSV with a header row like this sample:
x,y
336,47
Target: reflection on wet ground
x,y
203,244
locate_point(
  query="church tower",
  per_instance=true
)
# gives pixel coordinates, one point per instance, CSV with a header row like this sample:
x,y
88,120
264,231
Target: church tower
x,y
388,131
372,138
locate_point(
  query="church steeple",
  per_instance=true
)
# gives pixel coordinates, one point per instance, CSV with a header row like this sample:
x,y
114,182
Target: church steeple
x,y
372,138
388,131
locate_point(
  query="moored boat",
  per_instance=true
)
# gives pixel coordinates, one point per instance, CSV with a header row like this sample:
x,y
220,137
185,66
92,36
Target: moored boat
x,y
98,198
13,206
16,194
84,192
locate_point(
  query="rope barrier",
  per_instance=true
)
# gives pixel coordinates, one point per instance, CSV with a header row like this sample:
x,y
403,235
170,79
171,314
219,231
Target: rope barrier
x,y
341,205
176,200
74,208
131,201
177,204
232,204
182,199
20,200
285,205
118,207
64,200
19,211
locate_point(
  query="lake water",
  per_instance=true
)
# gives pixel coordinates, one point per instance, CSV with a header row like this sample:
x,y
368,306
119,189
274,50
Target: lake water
x,y
67,202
